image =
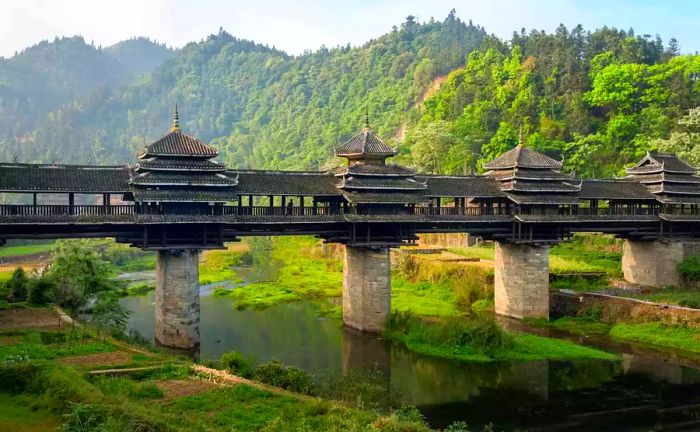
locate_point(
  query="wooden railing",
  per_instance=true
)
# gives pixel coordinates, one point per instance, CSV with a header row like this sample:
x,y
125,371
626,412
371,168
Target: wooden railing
x,y
66,210
48,211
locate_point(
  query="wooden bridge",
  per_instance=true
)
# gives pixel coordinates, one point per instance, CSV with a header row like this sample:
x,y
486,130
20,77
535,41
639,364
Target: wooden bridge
x,y
176,199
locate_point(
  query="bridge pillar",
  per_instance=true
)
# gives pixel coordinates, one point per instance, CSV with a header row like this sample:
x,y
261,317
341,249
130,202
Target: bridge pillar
x,y
655,263
521,280
177,298
366,288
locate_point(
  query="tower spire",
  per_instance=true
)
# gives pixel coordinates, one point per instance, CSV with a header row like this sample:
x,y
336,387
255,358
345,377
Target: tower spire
x,y
176,121
366,117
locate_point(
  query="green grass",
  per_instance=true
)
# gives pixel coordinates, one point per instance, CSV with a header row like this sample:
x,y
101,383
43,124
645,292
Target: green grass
x,y
485,252
676,337
306,273
17,415
573,325
480,338
35,345
23,250
423,298
688,297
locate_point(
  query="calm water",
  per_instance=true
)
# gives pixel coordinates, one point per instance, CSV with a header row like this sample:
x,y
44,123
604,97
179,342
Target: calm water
x,y
642,392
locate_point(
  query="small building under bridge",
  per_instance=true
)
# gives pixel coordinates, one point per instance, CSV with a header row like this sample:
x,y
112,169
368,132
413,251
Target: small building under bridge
x,y
177,200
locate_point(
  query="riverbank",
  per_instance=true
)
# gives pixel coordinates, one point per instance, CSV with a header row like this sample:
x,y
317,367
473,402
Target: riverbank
x,y
90,382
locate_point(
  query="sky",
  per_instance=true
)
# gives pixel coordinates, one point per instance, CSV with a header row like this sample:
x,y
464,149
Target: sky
x,y
295,26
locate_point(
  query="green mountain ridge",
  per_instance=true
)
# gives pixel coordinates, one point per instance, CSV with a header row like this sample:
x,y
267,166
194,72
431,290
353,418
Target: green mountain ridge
x,y
599,99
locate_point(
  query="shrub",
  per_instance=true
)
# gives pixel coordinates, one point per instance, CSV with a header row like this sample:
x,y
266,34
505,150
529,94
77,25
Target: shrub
x,y
41,291
277,374
407,419
689,268
18,285
238,364
84,418
16,375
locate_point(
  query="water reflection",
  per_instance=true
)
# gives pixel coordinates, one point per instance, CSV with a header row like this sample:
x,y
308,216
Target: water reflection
x,y
582,394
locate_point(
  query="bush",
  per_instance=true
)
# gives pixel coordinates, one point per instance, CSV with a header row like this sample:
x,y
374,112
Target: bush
x,y
689,268
84,418
41,291
237,364
480,333
407,419
277,374
16,375
18,285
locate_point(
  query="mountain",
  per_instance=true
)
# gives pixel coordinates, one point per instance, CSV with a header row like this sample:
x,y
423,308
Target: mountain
x,y
446,93
45,76
260,106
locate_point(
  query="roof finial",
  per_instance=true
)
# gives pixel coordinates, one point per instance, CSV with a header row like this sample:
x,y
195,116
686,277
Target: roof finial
x,y
176,121
520,136
366,117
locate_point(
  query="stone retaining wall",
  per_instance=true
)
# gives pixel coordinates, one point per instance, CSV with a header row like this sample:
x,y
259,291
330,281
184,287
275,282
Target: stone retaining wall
x,y
568,303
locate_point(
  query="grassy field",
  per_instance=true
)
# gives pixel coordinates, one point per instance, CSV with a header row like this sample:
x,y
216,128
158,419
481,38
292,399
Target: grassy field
x,y
44,385
688,297
673,337
23,250
481,339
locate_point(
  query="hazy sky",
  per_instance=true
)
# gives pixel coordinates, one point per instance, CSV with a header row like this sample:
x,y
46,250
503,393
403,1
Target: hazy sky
x,y
307,24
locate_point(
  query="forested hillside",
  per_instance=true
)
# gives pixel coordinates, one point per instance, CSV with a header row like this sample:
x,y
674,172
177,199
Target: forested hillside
x,y
47,75
261,107
598,99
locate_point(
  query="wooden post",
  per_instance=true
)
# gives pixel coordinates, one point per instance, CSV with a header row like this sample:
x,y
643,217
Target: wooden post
x,y
71,203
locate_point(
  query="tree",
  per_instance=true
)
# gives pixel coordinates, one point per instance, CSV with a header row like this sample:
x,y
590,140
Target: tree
x,y
430,145
79,274
685,142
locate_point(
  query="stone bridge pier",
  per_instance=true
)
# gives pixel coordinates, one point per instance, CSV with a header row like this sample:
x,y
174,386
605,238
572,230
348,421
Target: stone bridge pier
x,y
366,288
655,263
521,280
177,298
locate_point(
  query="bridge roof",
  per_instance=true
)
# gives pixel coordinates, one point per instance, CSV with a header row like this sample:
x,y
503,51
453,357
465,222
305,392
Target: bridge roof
x,y
461,186
655,162
614,190
178,144
522,157
48,178
294,183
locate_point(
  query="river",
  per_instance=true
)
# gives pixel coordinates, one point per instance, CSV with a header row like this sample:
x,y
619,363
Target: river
x,y
645,391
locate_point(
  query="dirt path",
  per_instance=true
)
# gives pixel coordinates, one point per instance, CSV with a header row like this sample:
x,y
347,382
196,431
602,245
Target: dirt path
x,y
40,318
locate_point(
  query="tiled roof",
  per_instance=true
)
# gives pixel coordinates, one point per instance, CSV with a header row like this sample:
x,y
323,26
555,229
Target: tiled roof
x,y
674,188
365,143
286,183
188,178
668,162
540,186
380,183
529,174
178,144
179,195
522,157
63,178
614,190
544,198
458,187
665,177
385,198
373,169
179,164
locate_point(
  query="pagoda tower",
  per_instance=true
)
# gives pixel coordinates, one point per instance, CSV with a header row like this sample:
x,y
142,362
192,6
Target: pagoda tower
x,y
533,181
176,175
372,185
